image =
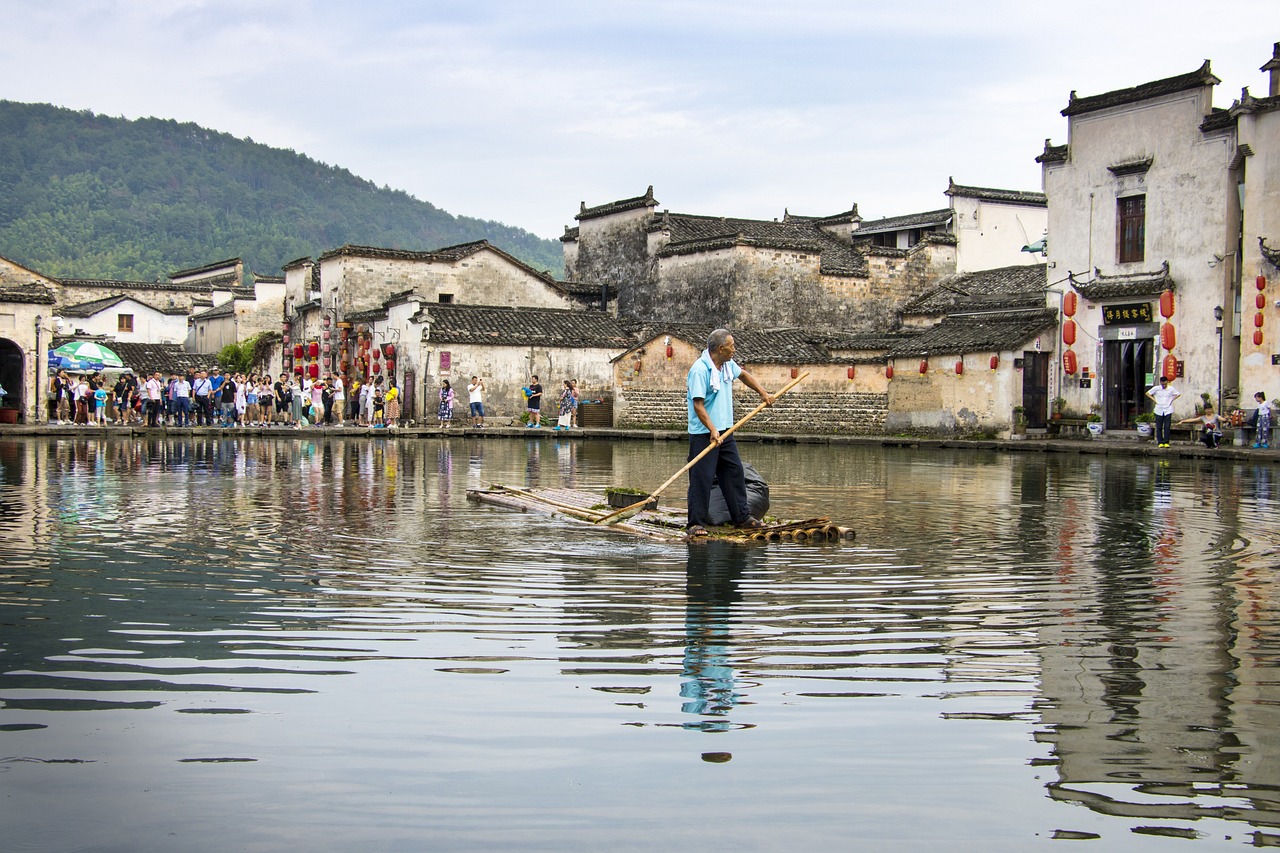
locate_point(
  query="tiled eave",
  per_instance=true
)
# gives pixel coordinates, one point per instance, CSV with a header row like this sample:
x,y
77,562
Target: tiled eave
x,y
999,331
619,206
1030,199
1202,76
1104,287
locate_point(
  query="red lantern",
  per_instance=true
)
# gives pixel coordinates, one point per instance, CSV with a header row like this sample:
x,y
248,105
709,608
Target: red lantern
x,y
284,327
377,354
795,371
298,370
313,349
391,366
995,362
313,370
326,348
1170,366
389,350
1257,338
327,321
1068,332
377,367
670,350
297,351
850,371
1260,301
344,332
1261,282
1069,303
1168,336
1258,319
326,334
924,365
285,340
1166,304
1069,363
888,371
960,367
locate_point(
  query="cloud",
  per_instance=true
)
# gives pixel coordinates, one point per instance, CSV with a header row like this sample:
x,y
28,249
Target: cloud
x,y
517,111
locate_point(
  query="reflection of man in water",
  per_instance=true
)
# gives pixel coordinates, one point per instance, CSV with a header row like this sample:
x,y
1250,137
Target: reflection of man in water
x,y
709,688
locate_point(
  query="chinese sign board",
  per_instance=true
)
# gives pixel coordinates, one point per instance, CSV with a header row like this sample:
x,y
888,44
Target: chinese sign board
x,y
1137,312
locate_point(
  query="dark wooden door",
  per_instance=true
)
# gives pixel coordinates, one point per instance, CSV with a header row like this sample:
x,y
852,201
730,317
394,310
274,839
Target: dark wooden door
x,y
1035,388
1126,365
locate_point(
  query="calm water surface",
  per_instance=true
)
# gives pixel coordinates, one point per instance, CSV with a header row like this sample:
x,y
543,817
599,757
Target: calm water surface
x,y
256,645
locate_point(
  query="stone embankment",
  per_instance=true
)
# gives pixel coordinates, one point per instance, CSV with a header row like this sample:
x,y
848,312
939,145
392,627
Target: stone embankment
x,y
1109,444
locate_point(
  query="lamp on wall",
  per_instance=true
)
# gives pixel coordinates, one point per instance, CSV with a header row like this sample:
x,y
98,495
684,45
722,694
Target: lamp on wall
x,y
1217,319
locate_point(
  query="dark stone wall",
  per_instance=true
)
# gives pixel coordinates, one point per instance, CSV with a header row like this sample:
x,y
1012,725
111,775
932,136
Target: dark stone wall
x,y
815,414
616,251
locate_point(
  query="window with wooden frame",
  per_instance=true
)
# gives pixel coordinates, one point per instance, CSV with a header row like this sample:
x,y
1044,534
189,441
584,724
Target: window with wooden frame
x,y
1131,229
124,322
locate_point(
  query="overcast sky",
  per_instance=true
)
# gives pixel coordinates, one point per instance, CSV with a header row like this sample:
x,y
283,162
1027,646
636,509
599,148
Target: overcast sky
x,y
518,110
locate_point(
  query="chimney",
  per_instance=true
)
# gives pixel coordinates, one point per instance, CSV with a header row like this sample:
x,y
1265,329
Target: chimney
x,y
1273,66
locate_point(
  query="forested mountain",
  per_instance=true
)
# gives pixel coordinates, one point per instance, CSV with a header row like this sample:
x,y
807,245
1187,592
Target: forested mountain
x,y
91,196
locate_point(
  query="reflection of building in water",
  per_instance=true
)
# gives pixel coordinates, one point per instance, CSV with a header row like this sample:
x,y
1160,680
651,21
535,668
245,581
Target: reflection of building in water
x,y
24,497
710,686
1155,672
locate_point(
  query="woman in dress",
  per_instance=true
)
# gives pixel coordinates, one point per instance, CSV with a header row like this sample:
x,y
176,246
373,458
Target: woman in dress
x,y
566,407
391,403
445,411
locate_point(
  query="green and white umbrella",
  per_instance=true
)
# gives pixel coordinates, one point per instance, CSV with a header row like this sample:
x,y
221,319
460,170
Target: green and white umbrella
x,y
89,352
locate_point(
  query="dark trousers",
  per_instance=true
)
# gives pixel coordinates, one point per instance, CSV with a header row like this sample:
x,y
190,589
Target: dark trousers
x,y
182,410
723,464
204,410
1163,424
153,412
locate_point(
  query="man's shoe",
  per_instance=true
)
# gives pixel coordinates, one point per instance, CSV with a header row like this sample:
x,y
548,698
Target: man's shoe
x,y
697,531
752,523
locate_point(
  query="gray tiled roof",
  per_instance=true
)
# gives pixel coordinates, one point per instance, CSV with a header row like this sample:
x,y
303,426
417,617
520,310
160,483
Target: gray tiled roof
x,y
986,332
230,262
447,254
1032,199
623,204
88,309
1053,153
1102,287
184,287
900,223
28,293
691,234
504,326
754,346
1202,76
147,358
1019,286
225,309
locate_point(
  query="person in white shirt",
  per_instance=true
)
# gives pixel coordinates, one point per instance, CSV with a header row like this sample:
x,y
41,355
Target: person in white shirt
x,y
475,396
181,401
339,392
1163,394
153,400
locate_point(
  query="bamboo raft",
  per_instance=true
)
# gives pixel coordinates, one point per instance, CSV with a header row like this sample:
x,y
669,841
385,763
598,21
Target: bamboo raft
x,y
589,508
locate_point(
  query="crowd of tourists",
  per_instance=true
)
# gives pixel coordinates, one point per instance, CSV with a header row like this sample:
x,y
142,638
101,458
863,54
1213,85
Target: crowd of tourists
x,y
215,399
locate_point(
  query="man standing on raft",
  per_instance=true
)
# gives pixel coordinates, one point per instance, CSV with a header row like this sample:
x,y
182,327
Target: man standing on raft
x,y
710,403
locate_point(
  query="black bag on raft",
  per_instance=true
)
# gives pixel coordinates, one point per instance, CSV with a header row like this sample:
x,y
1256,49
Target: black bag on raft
x,y
757,497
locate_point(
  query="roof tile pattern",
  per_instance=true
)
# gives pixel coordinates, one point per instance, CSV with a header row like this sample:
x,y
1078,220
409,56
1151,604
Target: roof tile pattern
x,y
1013,287
1202,76
1103,287
964,333
504,326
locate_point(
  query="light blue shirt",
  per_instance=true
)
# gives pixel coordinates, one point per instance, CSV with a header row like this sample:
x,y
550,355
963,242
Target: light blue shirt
x,y
719,403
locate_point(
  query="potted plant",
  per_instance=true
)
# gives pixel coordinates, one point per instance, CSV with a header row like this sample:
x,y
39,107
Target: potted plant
x,y
1093,422
1145,424
1059,406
